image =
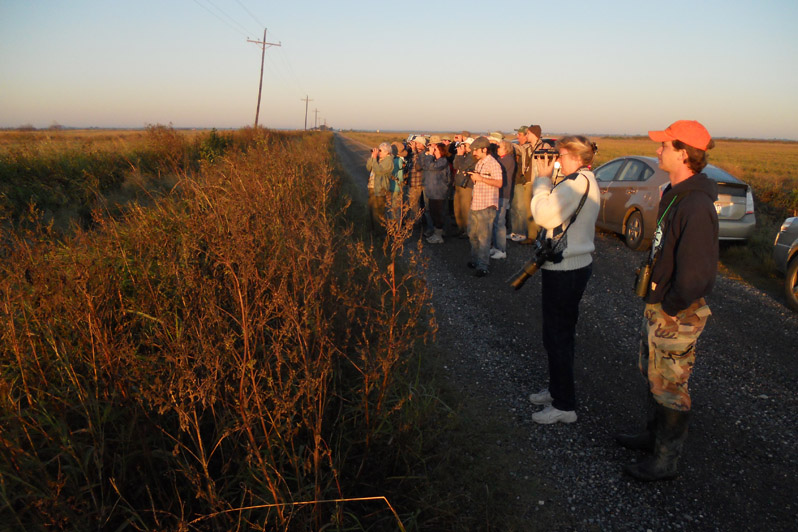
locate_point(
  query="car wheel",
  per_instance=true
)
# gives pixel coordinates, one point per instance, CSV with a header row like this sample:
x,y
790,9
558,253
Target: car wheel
x,y
633,231
791,284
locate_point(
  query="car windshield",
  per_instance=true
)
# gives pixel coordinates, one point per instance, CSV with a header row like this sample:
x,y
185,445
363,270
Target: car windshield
x,y
716,174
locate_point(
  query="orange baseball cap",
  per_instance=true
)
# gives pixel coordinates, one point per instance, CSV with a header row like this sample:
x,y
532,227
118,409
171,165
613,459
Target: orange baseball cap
x,y
690,132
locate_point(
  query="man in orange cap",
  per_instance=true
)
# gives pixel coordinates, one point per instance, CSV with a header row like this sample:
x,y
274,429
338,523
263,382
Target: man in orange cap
x,y
684,261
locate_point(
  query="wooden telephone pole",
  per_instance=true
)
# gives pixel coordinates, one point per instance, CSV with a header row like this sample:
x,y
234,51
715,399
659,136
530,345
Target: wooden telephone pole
x,y
263,45
306,100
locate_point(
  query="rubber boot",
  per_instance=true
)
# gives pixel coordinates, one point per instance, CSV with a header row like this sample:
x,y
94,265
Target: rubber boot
x,y
644,440
669,437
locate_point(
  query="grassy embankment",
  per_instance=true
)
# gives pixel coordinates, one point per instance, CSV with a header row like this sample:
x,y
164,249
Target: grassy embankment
x,y
224,357
770,167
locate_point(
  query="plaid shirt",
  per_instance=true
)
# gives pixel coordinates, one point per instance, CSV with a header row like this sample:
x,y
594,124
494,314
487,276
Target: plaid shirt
x,y
485,195
416,172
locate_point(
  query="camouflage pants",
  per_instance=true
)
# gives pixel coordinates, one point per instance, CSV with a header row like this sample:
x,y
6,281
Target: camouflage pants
x,y
667,351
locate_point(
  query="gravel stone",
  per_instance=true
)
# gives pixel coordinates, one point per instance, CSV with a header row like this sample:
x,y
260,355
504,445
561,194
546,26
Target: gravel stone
x,y
739,466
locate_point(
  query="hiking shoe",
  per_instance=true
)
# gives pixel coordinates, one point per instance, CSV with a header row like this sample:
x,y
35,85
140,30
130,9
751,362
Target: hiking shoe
x,y
550,415
480,273
543,397
496,254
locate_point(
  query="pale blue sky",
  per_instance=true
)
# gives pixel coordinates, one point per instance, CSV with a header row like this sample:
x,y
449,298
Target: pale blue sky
x,y
615,67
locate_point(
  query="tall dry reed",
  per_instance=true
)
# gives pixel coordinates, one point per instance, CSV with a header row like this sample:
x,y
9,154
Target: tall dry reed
x,y
205,361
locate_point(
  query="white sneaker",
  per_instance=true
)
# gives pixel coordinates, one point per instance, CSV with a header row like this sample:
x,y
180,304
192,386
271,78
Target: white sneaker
x,y
550,415
543,397
517,238
496,254
436,237
510,236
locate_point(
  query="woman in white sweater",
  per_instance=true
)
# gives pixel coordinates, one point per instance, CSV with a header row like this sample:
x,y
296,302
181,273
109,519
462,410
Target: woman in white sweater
x,y
554,204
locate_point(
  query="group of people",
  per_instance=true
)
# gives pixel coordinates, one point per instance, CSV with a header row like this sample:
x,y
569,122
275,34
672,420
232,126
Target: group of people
x,y
553,200
478,185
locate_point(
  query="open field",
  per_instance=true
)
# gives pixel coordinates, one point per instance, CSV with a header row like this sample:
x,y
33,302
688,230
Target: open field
x,y
65,175
94,138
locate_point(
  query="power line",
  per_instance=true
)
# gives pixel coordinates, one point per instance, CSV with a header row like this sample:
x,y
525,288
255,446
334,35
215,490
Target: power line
x,y
250,13
228,17
221,19
289,68
232,24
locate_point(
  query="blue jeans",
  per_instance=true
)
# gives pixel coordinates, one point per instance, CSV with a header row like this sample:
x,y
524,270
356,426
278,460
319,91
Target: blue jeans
x,y
519,211
427,212
561,292
480,224
500,226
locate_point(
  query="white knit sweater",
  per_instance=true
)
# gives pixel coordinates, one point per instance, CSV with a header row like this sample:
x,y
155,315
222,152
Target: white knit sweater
x,y
552,206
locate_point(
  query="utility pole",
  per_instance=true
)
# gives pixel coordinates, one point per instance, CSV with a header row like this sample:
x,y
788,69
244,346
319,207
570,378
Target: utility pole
x,y
263,45
316,119
306,100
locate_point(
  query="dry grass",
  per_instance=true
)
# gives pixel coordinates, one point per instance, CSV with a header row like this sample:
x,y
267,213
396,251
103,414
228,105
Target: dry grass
x,y
206,361
95,139
65,175
374,139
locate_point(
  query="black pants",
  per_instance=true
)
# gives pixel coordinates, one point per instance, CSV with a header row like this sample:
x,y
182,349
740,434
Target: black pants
x,y
562,291
437,208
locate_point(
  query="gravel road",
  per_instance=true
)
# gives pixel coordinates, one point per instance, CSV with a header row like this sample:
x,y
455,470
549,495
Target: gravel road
x,y
740,465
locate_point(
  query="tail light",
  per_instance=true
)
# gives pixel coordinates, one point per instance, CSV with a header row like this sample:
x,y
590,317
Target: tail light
x,y
749,202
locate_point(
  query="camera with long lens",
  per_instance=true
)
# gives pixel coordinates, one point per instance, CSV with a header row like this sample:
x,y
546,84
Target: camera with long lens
x,y
542,251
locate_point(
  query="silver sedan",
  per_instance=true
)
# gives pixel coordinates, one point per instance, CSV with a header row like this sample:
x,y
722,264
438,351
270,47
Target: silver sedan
x,y
785,254
631,188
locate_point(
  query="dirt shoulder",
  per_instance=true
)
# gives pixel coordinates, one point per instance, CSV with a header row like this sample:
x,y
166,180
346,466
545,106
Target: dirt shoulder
x,y
740,463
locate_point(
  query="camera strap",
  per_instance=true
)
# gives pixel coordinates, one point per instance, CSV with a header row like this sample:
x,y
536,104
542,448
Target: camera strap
x,y
576,212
